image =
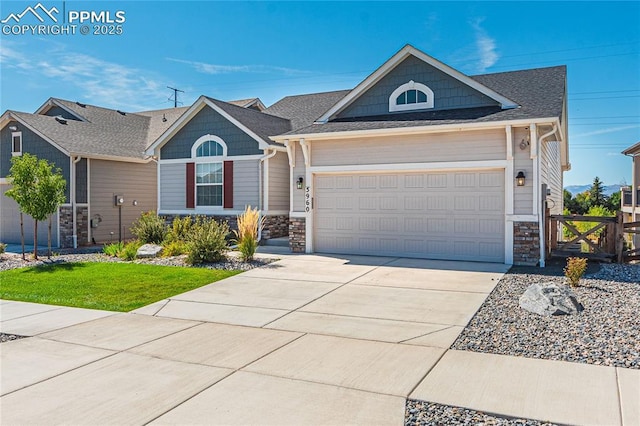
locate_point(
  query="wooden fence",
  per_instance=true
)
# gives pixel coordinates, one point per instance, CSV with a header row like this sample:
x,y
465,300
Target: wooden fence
x,y
602,240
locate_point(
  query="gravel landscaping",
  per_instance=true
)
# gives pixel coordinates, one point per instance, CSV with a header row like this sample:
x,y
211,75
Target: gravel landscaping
x,y
430,414
232,262
605,333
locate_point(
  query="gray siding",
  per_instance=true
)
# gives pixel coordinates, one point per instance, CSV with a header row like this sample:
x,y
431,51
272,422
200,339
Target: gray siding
x,y
279,182
300,170
458,146
551,174
81,181
448,92
523,195
56,111
245,184
131,180
208,121
173,186
35,145
10,223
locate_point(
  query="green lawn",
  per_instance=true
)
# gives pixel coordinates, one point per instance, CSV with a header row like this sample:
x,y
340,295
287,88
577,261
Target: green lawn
x,y
109,286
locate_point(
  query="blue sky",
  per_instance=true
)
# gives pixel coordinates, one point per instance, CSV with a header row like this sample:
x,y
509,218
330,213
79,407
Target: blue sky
x,y
235,50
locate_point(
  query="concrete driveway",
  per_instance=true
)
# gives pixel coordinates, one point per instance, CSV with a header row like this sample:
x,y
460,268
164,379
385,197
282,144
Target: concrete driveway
x,y
306,340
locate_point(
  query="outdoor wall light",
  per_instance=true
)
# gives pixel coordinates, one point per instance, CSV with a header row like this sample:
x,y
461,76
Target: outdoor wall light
x,y
13,128
300,182
119,200
135,202
520,178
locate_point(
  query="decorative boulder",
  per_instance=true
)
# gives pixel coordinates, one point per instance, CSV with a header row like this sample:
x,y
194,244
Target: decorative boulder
x,y
550,299
148,251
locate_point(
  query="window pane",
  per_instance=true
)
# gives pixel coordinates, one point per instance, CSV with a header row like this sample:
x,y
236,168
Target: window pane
x,y
402,99
16,144
209,195
209,149
411,96
209,173
422,97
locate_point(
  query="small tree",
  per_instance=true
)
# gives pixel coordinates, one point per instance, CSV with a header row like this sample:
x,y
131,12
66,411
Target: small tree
x,y
38,190
22,178
49,195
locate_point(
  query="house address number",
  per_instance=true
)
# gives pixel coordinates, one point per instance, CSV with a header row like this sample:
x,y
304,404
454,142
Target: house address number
x,y
307,199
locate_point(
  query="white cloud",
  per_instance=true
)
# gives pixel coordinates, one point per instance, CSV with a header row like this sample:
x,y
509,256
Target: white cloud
x,y
98,81
11,57
607,130
206,68
485,45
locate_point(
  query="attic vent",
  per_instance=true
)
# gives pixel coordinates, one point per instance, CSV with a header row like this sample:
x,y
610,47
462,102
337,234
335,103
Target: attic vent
x,y
60,119
81,105
121,112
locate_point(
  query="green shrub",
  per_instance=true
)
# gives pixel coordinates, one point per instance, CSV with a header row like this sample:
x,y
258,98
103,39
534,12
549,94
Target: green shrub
x,y
249,223
113,249
174,248
150,228
576,267
3,247
247,247
207,241
130,250
179,229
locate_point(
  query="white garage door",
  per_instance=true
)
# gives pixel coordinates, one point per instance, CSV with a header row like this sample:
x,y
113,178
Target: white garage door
x,y
10,224
448,215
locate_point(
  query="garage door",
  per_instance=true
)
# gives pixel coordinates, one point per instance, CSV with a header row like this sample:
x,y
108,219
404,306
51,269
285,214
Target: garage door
x,y
452,215
10,224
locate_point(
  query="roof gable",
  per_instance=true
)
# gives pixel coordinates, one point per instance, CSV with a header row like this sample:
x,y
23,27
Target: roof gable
x,y
255,124
441,74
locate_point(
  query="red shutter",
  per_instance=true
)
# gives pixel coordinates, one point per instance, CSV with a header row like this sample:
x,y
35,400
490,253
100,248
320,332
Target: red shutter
x,y
191,185
228,185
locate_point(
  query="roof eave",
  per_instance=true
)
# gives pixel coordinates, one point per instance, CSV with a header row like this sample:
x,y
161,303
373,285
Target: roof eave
x,y
437,128
632,150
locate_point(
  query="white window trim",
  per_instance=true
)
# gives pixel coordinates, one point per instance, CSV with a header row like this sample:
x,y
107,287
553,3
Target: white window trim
x,y
209,160
411,85
221,184
207,138
16,153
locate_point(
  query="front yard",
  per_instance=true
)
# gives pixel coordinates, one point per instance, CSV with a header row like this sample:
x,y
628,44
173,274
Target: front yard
x,y
108,286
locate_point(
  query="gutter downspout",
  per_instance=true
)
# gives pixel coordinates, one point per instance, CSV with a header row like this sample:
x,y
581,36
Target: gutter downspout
x,y
73,199
260,186
541,210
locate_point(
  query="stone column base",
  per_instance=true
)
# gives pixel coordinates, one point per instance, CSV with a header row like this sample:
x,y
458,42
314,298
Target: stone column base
x,y
297,234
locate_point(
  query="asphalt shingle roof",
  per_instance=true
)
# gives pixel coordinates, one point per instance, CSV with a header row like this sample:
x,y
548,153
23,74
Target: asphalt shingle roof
x,y
263,125
539,92
105,132
303,110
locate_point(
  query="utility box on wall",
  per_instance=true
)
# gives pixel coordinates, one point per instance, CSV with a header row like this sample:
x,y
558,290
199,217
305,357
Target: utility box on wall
x,y
119,200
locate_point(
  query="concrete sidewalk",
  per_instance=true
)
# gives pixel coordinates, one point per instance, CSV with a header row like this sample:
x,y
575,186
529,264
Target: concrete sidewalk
x,y
306,340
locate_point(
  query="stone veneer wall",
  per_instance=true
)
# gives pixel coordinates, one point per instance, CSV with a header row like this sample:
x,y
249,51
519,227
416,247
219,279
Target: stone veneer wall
x,y
526,243
275,226
297,234
66,226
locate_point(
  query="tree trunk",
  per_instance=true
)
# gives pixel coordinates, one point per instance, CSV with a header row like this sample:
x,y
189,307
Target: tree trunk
x,y
49,238
35,239
22,234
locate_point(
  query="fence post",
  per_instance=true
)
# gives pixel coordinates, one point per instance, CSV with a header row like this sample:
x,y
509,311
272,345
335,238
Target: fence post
x,y
619,235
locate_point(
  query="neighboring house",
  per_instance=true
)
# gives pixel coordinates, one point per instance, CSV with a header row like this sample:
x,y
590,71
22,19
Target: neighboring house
x,y
217,159
421,160
630,197
101,154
